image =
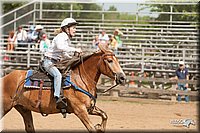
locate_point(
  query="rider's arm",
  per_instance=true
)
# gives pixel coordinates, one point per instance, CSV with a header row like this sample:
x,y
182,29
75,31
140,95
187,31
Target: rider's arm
x,y
62,41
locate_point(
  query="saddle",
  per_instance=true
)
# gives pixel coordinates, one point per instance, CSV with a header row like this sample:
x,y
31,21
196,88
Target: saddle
x,y
41,80
34,77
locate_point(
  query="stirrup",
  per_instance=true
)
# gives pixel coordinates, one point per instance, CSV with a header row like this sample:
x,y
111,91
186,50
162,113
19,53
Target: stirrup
x,y
64,112
61,104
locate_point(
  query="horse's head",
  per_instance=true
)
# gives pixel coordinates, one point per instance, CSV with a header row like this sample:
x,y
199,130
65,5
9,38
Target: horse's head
x,y
109,65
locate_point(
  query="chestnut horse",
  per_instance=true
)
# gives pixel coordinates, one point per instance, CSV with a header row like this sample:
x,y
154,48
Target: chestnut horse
x,y
85,75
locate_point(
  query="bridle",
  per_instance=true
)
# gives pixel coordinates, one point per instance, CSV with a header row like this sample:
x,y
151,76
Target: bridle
x,y
102,58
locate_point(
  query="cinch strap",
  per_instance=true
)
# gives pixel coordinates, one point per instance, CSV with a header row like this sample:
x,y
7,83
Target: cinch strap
x,y
83,91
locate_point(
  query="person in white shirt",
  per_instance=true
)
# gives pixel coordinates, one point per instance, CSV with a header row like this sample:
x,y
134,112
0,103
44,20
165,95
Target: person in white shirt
x,y
60,49
21,36
103,37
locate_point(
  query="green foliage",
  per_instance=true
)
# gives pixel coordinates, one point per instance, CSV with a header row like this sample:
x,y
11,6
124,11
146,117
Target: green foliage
x,y
57,6
112,15
75,6
7,7
187,11
112,8
87,15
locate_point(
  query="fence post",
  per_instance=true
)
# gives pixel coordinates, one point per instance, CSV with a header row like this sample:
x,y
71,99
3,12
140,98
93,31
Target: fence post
x,y
142,70
41,9
15,16
171,11
137,13
34,14
71,9
102,16
173,97
184,55
28,56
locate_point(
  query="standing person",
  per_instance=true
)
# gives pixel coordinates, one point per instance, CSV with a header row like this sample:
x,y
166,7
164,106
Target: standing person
x,y
182,73
12,41
30,34
39,30
21,35
44,43
60,49
113,43
103,37
95,42
117,35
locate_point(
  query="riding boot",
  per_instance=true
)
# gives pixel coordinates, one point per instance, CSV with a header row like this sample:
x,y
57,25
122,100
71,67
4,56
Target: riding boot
x,y
61,103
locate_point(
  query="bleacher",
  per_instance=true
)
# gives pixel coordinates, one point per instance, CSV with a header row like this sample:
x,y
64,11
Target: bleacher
x,y
148,46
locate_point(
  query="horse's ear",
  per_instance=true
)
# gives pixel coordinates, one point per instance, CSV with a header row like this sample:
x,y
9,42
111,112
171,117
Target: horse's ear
x,y
104,47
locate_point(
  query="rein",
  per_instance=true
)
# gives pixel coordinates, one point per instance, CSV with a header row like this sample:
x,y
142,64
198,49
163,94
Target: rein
x,y
110,88
98,66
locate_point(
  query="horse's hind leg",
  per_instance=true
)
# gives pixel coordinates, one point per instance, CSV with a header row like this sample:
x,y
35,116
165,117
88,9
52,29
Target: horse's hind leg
x,y
99,112
27,116
7,105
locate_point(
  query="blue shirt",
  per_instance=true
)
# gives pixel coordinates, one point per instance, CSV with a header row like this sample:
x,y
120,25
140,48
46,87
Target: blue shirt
x,y
181,74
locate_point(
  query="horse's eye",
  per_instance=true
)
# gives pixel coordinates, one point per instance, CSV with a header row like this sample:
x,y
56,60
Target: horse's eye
x,y
110,61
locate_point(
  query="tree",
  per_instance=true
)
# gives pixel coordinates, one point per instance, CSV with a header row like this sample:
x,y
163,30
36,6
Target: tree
x,y
176,8
7,6
89,15
112,15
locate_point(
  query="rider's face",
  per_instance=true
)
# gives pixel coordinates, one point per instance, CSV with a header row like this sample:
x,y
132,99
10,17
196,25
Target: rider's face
x,y
72,30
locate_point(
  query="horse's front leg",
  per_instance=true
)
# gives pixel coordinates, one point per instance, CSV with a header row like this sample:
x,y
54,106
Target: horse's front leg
x,y
27,116
97,111
81,112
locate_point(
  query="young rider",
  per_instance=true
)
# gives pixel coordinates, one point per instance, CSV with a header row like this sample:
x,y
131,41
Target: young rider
x,y
60,49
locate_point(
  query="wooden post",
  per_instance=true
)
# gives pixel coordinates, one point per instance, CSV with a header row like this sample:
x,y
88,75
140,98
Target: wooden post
x,y
114,93
28,56
173,97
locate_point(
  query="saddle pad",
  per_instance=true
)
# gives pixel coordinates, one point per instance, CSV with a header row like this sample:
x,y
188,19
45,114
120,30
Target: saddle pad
x,y
48,81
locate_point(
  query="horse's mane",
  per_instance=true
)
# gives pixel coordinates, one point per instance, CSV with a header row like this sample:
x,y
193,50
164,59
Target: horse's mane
x,y
103,48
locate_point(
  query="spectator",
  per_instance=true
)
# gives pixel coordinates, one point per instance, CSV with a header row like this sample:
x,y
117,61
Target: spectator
x,y
103,37
57,31
113,43
182,73
32,34
117,35
95,42
39,30
12,41
21,36
44,43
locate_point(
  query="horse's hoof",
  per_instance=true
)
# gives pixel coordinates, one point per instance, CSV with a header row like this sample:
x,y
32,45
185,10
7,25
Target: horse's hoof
x,y
98,128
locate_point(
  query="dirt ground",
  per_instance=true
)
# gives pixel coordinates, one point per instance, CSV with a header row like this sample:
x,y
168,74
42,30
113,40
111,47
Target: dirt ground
x,y
125,114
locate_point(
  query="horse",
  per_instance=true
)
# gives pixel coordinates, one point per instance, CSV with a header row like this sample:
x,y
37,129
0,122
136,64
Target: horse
x,y
85,75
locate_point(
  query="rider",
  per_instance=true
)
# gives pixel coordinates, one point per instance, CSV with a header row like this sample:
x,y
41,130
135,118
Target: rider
x,y
60,49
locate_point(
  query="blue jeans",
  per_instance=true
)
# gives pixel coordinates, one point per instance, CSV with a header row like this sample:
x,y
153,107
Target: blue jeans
x,y
182,87
55,73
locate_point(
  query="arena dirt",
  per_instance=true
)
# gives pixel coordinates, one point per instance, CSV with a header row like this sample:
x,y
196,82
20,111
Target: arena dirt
x,y
125,114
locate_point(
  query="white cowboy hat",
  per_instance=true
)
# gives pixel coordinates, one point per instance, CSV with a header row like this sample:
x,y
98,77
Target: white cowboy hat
x,y
38,27
181,63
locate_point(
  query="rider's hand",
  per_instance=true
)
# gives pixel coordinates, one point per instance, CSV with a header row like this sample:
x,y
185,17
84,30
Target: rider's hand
x,y
78,50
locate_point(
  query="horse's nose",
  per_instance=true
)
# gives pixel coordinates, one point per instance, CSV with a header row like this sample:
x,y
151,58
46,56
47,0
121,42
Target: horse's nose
x,y
121,78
